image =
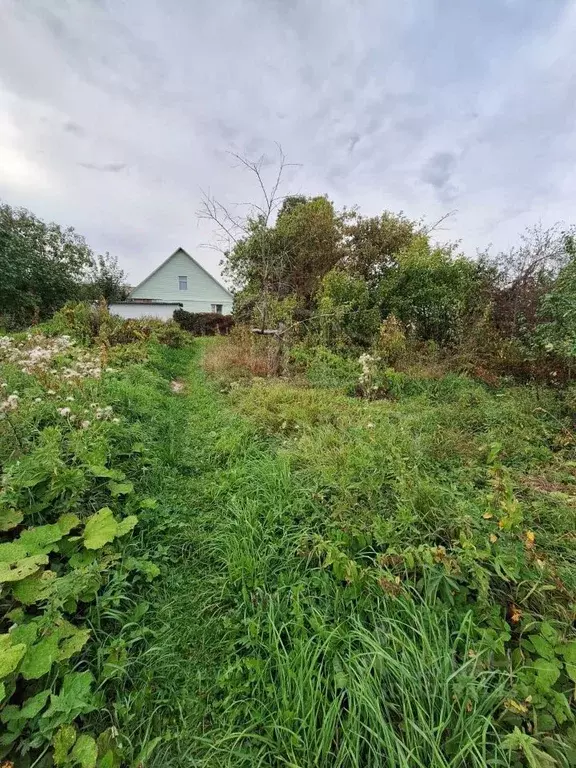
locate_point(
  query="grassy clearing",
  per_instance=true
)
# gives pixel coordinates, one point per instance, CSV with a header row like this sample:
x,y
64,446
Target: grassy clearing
x,y
279,637
449,501
342,582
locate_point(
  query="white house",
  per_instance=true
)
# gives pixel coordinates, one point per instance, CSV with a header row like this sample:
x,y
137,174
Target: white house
x,y
178,281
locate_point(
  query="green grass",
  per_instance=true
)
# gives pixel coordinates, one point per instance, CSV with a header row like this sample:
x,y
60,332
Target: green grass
x,y
343,582
329,595
257,653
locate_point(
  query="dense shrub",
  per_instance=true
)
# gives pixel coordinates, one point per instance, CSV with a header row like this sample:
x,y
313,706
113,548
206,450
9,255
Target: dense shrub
x,y
347,313
93,324
433,291
67,505
204,323
556,333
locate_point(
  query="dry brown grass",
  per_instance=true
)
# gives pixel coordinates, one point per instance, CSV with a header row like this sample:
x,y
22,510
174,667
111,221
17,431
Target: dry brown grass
x,y
240,355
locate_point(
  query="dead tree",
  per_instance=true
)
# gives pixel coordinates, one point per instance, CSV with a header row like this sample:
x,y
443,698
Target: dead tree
x,y
232,228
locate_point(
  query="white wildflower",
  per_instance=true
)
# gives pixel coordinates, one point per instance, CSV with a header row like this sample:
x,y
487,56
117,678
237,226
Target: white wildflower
x,y
70,399
37,399
85,424
64,411
116,420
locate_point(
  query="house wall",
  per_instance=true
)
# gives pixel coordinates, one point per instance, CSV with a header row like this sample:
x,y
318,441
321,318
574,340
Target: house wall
x,y
202,291
136,311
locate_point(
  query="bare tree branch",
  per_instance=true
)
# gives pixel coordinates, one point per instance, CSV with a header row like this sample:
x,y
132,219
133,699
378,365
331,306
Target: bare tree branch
x,y
436,225
231,229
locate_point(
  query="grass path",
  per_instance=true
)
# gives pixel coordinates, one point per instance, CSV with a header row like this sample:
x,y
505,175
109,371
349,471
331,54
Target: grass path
x,y
210,466
257,656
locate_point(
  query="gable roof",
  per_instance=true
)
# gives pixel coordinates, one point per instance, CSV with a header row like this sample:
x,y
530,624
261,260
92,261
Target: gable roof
x,y
159,267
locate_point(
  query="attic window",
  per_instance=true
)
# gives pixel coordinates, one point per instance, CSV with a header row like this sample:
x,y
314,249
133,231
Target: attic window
x,y
217,309
183,283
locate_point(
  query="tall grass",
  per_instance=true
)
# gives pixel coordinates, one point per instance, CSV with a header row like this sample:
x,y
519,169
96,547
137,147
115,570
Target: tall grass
x,y
398,687
259,652
258,656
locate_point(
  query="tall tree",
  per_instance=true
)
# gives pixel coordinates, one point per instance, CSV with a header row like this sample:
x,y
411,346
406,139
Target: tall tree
x,y
42,266
106,280
374,242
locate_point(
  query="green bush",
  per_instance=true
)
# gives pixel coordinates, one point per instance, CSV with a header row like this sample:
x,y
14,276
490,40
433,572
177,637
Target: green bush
x,y
91,324
347,314
556,333
204,323
323,367
67,507
432,291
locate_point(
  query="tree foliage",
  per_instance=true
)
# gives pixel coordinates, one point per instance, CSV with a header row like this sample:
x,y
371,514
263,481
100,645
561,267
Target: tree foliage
x,y
431,289
44,265
373,243
106,279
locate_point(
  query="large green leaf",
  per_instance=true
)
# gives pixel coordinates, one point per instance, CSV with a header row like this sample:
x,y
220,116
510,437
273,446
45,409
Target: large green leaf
x,y
120,489
10,655
542,646
101,529
73,644
568,650
112,474
23,568
571,671
63,742
85,751
34,588
126,525
24,632
10,518
67,522
40,657
41,540
75,698
11,552
547,672
34,705
62,642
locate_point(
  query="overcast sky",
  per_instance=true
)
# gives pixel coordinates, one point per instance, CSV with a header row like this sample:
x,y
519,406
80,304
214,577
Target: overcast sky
x,y
114,114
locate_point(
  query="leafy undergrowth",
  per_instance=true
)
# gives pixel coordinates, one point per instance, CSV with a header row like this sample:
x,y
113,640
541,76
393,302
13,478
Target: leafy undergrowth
x,y
353,583
261,654
342,582
402,576
73,454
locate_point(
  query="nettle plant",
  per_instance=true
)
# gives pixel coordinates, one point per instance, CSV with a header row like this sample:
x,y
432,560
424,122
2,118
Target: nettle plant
x,y
64,515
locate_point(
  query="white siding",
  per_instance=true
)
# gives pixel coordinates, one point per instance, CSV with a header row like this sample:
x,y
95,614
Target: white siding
x,y
203,290
136,311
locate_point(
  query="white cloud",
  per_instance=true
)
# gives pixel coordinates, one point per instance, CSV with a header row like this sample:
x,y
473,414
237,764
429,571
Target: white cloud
x,y
124,111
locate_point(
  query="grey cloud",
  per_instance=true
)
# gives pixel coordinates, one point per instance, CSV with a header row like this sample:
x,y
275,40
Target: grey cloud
x,y
400,106
438,170
71,127
352,141
105,167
